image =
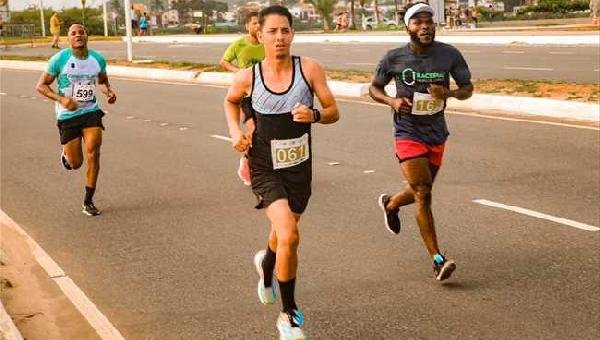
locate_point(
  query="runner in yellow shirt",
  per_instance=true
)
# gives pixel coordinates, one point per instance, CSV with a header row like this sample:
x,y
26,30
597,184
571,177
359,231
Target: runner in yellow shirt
x,y
243,53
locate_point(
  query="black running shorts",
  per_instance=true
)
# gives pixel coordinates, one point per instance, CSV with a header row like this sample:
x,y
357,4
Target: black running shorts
x,y
269,185
72,128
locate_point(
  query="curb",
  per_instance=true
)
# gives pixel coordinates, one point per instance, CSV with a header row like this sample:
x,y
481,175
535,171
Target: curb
x,y
8,330
513,105
396,39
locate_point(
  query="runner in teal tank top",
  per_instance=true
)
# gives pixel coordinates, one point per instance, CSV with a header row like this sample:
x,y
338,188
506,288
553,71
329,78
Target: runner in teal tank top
x,y
78,71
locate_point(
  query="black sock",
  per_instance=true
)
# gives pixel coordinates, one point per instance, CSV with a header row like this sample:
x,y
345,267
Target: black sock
x,y
89,194
287,294
268,264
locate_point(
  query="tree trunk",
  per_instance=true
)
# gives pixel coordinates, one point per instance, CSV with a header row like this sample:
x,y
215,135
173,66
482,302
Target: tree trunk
x,y
376,14
353,24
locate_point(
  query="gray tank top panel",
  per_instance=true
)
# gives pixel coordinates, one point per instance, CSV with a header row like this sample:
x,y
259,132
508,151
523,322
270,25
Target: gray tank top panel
x,y
268,102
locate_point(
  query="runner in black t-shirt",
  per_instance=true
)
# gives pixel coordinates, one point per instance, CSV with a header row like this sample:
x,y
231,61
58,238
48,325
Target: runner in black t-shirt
x,y
421,71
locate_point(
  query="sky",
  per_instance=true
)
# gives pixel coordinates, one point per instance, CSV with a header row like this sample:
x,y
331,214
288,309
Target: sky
x,y
18,5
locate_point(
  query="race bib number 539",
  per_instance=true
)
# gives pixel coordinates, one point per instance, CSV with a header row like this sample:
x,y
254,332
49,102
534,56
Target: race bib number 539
x,y
289,152
424,104
84,93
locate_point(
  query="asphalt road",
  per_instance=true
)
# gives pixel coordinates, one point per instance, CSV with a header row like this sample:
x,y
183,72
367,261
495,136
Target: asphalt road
x,y
560,63
171,257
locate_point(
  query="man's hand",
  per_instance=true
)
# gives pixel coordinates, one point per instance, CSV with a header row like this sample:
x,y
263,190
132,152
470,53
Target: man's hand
x,y
241,141
302,114
438,91
68,103
112,97
401,105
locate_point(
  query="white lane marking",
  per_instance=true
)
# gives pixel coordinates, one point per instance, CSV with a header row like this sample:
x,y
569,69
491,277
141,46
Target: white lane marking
x,y
536,214
368,171
477,115
87,308
363,64
528,68
513,52
164,124
147,120
227,139
129,117
183,128
597,70
333,163
2,93
561,53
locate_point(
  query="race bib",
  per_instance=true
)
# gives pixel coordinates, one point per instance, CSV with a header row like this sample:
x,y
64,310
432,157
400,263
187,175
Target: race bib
x,y
424,104
289,152
84,93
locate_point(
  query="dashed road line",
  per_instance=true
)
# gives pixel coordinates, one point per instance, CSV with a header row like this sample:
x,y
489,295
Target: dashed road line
x,y
540,215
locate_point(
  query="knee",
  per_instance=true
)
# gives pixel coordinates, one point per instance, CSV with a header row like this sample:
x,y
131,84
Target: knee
x,y
422,193
289,240
93,154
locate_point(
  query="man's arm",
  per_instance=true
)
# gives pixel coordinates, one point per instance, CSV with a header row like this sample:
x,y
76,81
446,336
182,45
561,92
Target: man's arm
x,y
228,66
229,56
105,87
43,87
237,91
316,76
401,105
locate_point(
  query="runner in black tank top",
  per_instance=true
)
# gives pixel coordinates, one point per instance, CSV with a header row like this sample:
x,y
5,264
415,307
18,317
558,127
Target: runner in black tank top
x,y
281,88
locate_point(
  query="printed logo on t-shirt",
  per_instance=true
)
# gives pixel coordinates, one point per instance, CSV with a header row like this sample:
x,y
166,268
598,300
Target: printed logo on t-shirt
x,y
410,77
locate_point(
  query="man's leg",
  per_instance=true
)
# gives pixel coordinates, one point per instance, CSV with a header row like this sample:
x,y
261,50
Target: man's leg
x,y
407,196
92,138
420,179
72,152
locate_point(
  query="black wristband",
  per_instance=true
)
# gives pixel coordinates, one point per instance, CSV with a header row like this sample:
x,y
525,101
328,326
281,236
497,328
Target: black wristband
x,y
316,115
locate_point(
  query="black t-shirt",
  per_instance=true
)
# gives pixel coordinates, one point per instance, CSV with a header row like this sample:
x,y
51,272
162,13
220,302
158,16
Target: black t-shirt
x,y
413,73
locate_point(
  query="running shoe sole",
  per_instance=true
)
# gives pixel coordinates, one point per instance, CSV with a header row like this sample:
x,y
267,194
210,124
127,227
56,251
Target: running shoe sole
x,y
258,258
385,220
447,269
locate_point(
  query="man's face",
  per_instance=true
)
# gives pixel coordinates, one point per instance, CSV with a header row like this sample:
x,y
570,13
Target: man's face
x,y
77,36
276,35
421,29
253,27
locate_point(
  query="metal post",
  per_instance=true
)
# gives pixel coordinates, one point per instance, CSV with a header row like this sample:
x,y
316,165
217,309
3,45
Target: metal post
x,y
128,30
42,18
105,18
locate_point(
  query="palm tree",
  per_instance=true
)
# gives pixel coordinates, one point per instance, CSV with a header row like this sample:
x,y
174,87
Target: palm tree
x,y
325,8
376,5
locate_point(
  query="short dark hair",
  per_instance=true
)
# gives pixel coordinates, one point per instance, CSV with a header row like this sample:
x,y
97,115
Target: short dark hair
x,y
249,16
275,9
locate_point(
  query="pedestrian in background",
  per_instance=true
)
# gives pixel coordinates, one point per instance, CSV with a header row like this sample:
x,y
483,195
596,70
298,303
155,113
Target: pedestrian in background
x,y
55,29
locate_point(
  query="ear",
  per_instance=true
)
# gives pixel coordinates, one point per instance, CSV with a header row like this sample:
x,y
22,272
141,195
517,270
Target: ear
x,y
259,35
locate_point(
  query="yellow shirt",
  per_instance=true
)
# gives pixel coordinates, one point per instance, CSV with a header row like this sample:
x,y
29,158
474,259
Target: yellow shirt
x,y
54,24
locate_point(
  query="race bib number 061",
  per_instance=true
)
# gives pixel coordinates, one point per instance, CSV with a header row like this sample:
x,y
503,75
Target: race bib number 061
x,y
289,152
424,104
84,93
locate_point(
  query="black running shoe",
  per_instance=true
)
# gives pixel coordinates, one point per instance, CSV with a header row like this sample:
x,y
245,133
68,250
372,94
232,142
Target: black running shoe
x,y
90,209
63,161
390,218
444,271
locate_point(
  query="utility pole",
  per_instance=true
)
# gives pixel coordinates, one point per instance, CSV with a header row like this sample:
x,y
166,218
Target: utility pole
x,y
42,18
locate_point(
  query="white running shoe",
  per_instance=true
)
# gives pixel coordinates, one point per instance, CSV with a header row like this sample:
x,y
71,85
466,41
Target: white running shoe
x,y
288,325
266,295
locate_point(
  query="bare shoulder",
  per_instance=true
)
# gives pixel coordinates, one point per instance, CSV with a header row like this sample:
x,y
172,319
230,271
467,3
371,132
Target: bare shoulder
x,y
243,76
310,64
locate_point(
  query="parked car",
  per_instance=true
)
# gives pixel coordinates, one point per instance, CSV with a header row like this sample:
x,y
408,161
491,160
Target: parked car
x,y
369,23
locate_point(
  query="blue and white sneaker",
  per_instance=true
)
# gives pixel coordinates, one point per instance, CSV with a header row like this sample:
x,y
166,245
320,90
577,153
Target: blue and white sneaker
x,y
288,325
63,161
266,295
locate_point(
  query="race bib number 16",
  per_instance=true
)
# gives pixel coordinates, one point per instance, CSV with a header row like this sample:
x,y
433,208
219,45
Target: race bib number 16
x,y
84,93
289,152
424,104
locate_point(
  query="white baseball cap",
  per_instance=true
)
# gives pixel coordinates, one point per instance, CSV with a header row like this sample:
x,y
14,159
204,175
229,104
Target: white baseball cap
x,y
416,9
